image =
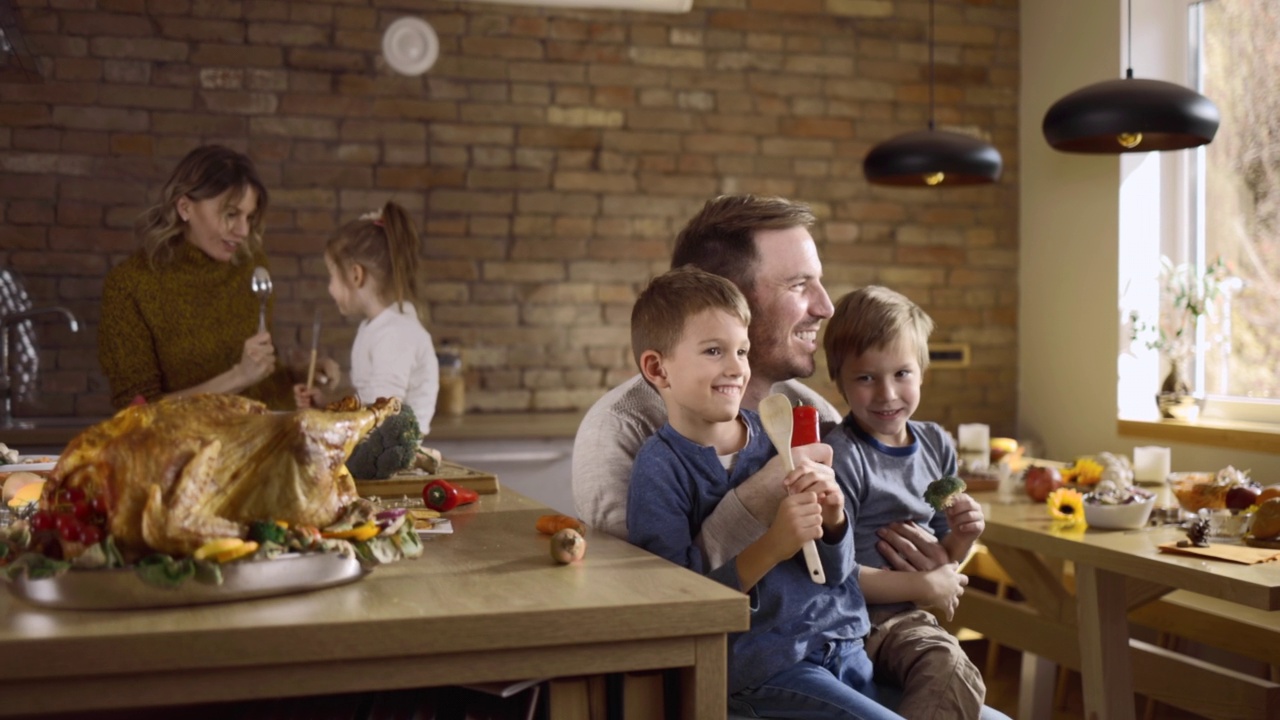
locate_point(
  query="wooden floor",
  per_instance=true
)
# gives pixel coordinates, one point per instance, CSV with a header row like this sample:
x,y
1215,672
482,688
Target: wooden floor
x,y
1002,690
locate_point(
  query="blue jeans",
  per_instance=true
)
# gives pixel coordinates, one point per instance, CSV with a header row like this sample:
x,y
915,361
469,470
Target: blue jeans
x,y
831,683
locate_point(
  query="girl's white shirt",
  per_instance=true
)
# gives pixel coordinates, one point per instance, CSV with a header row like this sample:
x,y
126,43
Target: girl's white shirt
x,y
393,356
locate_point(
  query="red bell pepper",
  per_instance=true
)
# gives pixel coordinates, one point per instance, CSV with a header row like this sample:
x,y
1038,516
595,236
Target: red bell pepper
x,y
804,425
441,495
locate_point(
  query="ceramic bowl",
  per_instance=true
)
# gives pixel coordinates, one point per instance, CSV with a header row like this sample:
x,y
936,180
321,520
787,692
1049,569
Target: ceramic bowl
x,y
1128,516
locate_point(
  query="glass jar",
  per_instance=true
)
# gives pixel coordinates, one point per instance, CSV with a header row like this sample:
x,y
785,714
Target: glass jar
x,y
452,399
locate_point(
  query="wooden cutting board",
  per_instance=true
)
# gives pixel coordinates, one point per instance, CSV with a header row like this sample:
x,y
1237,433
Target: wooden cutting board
x,y
410,482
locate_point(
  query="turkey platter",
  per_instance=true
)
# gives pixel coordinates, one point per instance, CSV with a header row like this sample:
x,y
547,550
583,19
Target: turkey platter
x,y
171,476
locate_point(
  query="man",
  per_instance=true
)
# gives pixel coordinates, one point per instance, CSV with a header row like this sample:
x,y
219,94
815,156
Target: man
x,y
764,247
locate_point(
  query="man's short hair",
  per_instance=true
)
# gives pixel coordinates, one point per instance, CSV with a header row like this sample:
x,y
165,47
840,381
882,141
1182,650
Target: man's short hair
x,y
720,239
874,318
659,315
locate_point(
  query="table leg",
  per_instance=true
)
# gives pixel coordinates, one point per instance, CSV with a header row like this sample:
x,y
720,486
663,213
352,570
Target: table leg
x,y
705,686
1105,665
1035,686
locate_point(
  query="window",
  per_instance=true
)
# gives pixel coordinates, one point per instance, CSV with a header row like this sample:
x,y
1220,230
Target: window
x,y
1220,201
1233,205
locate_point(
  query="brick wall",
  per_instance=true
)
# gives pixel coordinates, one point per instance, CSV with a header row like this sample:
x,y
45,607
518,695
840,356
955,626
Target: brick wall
x,y
550,155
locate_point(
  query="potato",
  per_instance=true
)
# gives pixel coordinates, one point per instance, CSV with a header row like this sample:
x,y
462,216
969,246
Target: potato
x,y
567,546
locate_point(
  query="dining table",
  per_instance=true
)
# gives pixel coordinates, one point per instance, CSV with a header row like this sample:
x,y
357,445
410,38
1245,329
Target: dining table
x,y
484,603
1077,587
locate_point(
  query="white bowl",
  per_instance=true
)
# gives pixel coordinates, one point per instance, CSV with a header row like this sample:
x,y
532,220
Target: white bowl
x,y
1129,516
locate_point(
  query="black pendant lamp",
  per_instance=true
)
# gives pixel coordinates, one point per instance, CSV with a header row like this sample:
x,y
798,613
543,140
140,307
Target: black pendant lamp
x,y
1123,116
927,158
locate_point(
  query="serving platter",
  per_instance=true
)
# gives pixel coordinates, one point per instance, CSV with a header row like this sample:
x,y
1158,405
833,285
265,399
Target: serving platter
x,y
31,463
123,589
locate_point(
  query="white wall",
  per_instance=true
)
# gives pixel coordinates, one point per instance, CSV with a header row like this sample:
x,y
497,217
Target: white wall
x,y
1069,226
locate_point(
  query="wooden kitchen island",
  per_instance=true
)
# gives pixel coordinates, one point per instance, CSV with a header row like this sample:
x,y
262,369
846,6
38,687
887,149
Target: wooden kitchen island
x,y
485,603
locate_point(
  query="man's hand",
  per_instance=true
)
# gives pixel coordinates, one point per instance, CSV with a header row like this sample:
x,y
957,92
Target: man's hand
x,y
965,518
908,547
761,493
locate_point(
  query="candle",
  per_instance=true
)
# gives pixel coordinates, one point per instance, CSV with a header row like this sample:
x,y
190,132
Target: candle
x,y
1151,463
975,446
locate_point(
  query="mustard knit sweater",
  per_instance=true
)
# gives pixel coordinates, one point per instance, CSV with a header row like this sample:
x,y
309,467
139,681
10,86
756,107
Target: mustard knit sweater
x,y
170,328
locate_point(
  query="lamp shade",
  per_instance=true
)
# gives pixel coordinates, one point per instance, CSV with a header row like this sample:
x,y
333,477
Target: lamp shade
x,y
1128,115
932,157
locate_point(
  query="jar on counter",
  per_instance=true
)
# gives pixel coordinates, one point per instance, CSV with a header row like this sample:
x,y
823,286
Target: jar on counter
x,y
452,399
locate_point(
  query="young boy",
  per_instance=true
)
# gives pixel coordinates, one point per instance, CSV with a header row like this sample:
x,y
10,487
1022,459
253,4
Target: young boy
x,y
804,650
877,352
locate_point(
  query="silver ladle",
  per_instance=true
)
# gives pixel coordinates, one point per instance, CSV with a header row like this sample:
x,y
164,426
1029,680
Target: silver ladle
x,y
261,286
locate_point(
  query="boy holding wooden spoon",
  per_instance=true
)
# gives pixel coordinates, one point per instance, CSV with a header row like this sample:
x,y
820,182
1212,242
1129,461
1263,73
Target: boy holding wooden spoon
x,y
804,652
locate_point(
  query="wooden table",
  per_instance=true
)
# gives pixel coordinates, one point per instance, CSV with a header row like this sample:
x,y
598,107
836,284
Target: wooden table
x,y
483,604
1115,571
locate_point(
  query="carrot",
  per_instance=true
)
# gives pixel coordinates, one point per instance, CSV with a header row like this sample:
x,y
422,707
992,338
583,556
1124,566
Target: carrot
x,y
551,524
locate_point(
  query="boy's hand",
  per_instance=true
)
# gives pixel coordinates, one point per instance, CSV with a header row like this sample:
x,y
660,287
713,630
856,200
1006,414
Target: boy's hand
x,y
945,585
965,518
798,521
810,476
761,492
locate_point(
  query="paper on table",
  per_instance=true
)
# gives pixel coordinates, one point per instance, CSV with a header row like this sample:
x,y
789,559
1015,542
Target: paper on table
x,y
433,526
1230,553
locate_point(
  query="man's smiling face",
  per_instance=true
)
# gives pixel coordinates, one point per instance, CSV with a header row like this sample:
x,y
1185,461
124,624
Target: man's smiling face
x,y
788,305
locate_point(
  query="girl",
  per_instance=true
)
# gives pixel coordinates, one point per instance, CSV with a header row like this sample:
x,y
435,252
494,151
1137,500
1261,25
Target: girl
x,y
373,267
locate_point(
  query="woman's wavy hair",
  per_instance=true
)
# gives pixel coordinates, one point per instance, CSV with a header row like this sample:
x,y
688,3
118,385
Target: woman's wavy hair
x,y
206,172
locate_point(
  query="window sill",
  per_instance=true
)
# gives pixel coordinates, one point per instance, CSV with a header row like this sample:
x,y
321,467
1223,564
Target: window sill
x,y
1236,435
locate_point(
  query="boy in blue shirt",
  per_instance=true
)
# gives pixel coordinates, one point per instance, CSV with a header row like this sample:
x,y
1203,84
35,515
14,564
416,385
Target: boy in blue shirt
x,y
804,652
877,351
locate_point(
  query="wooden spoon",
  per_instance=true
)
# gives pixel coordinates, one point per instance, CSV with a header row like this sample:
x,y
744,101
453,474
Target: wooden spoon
x,y
775,414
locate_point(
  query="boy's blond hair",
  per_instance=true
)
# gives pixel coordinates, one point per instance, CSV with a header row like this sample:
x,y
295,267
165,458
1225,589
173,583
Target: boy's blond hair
x,y
872,318
660,313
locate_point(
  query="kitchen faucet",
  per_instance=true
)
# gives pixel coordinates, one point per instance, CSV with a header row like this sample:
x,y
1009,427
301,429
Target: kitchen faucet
x,y
7,323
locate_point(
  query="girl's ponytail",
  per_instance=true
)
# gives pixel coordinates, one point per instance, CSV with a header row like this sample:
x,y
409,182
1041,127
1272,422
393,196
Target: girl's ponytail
x,y
402,246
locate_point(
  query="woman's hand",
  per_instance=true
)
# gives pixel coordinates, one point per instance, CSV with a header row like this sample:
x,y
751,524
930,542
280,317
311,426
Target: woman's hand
x,y
258,359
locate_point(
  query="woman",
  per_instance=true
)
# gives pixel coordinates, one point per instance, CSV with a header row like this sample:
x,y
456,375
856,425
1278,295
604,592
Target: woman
x,y
179,316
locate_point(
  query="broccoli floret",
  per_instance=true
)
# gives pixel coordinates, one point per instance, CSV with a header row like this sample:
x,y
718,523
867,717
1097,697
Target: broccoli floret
x,y
387,449
942,492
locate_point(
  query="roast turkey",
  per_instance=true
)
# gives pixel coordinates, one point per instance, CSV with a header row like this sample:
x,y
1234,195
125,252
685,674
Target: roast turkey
x,y
169,476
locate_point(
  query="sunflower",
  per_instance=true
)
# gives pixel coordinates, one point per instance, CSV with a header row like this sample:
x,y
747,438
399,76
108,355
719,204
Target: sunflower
x,y
1084,471
1066,506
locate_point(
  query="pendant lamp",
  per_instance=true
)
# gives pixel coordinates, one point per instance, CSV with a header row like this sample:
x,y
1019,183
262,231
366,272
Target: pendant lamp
x,y
927,158
1123,116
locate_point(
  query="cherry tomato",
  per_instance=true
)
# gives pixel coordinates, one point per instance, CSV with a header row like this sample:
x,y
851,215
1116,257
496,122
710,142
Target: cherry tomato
x,y
90,534
68,527
70,495
99,504
81,510
42,521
